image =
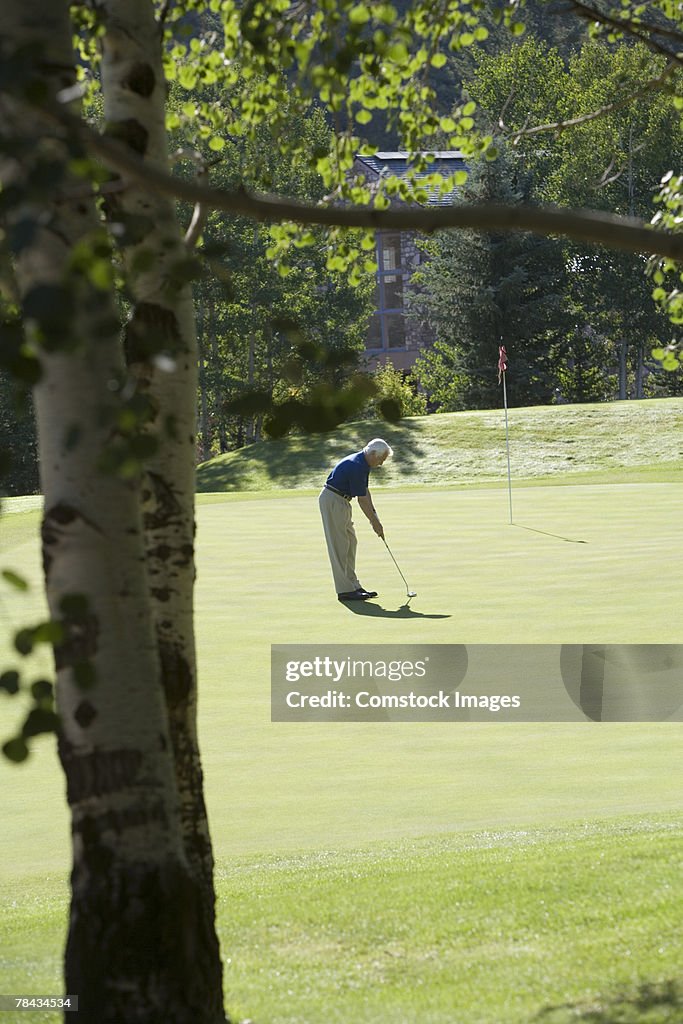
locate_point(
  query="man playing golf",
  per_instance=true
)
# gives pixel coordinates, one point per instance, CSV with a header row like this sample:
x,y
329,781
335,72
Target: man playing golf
x,y
348,480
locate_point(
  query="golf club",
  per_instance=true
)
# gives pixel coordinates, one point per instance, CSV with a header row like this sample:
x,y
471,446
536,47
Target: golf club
x,y
409,593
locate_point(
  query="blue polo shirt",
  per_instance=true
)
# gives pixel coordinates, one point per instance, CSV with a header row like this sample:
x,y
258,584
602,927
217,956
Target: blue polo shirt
x,y
351,475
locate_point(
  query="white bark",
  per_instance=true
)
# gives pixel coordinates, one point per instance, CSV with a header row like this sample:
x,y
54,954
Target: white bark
x,y
137,936
134,104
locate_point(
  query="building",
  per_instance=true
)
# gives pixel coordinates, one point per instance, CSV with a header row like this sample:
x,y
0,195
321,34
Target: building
x,y
391,335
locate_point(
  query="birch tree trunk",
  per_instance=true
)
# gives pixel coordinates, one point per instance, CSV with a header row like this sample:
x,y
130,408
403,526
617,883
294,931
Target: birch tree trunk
x,y
161,351
139,948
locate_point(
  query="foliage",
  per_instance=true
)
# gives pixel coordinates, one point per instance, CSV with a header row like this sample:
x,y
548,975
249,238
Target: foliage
x,y
256,316
19,455
669,216
479,291
610,162
396,394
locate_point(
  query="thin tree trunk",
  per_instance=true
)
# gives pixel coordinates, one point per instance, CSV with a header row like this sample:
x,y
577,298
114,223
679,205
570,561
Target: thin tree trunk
x,y
203,389
640,375
623,393
135,945
251,428
134,92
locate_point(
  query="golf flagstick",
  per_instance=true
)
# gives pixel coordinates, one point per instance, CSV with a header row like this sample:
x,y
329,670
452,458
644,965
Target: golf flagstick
x,y
502,367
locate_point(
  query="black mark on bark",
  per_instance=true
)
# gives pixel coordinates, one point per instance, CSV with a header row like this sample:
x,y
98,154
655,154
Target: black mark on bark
x,y
80,640
130,132
55,521
98,773
176,675
150,330
85,714
140,79
161,503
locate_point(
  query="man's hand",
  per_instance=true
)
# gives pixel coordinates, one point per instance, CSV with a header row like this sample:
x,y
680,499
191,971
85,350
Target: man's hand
x,y
365,502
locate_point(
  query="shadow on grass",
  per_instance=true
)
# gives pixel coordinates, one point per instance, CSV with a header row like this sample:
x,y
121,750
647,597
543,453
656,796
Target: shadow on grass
x,y
377,611
650,1003
557,536
305,460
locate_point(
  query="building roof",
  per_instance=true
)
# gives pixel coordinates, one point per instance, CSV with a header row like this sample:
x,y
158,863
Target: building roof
x,y
397,164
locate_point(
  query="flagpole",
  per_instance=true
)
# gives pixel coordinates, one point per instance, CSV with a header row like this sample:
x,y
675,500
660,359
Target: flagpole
x,y
507,444
502,367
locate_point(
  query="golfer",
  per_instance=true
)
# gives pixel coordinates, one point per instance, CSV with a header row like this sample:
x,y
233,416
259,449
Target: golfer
x,y
348,480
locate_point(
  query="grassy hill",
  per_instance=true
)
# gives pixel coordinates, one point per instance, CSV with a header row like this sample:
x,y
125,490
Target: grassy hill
x,y
639,440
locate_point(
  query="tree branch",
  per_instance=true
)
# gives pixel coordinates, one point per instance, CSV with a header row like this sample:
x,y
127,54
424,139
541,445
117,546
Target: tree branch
x,y
629,27
201,211
627,234
652,85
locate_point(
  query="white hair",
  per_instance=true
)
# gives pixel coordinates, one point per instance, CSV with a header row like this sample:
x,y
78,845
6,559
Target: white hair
x,y
379,446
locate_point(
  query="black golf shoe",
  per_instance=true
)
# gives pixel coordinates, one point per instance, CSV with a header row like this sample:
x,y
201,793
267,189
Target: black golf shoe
x,y
353,595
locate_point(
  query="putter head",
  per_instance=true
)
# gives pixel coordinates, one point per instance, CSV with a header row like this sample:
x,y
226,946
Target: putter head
x,y
412,593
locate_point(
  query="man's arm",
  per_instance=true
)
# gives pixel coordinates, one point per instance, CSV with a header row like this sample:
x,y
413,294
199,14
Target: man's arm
x,y
365,502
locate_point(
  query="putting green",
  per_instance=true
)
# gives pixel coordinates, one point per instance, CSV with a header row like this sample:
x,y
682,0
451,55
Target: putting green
x,y
582,564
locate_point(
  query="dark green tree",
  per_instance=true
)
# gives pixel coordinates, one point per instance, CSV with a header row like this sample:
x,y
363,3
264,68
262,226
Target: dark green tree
x,y
611,162
480,290
19,455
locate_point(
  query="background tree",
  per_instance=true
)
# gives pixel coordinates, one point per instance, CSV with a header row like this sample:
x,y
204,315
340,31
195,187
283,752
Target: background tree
x,y
478,291
611,162
396,393
19,470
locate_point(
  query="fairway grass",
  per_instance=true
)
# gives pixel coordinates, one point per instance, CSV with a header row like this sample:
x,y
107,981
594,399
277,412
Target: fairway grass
x,y
440,873
263,579
498,927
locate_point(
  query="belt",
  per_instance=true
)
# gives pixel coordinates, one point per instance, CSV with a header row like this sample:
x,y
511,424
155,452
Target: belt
x,y
340,493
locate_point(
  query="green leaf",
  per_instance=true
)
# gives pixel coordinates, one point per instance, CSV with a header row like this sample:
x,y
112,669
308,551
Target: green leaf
x,y
359,15
42,690
23,642
187,76
50,632
38,721
217,144
9,681
16,750
14,580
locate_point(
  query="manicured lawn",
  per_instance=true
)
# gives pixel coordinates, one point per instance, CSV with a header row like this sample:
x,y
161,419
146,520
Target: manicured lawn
x,y
440,872
263,579
565,924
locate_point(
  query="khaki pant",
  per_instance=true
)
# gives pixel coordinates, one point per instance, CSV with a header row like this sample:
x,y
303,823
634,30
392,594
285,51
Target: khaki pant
x,y
341,540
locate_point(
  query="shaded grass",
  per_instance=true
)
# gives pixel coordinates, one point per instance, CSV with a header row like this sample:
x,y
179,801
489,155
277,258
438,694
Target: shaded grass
x,y
469,447
516,926
488,928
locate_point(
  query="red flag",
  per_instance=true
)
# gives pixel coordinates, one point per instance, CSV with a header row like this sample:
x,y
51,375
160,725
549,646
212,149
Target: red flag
x,y
502,362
